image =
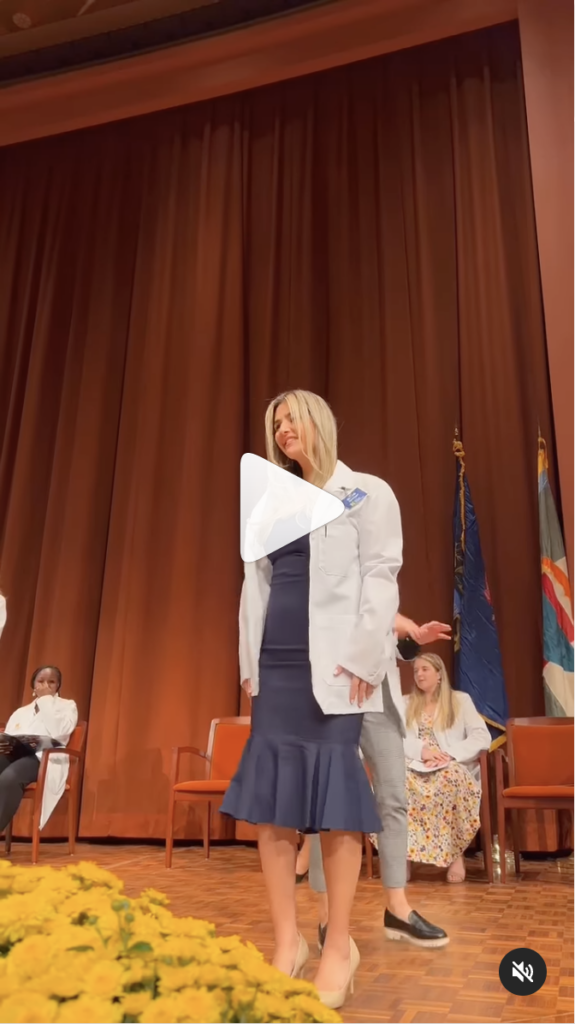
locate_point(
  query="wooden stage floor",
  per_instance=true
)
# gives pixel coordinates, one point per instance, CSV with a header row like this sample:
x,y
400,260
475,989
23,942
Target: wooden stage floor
x,y
396,982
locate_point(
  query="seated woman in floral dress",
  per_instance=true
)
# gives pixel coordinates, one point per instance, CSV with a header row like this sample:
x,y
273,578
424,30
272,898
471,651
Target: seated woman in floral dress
x,y
445,736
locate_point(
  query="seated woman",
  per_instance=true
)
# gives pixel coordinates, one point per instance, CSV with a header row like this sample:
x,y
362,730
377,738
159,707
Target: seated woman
x,y
48,715
446,733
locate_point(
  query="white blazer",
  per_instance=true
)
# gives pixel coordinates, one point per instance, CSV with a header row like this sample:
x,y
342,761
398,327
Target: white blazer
x,y
465,740
57,718
353,598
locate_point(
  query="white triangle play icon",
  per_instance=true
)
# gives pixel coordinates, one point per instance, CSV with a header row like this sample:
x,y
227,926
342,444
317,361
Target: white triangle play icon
x,y
277,507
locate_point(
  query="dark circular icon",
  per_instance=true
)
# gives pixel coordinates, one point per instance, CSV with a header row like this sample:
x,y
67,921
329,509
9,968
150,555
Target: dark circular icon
x,y
522,972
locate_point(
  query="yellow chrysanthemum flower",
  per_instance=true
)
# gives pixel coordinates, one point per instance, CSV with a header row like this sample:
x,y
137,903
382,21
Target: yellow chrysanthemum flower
x,y
135,1003
78,950
27,1008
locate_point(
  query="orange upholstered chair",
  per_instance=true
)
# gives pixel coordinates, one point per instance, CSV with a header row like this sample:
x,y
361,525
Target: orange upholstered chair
x,y
540,770
35,791
227,739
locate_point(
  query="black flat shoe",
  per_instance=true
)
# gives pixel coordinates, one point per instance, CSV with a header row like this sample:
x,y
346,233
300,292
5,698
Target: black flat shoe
x,y
416,930
301,878
321,934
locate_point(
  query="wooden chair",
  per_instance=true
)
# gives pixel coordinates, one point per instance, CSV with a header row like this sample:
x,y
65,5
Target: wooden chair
x,y
35,791
485,832
227,739
540,771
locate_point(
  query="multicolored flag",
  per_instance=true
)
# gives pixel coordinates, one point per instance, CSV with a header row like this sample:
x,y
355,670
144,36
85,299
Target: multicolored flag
x,y
478,666
557,606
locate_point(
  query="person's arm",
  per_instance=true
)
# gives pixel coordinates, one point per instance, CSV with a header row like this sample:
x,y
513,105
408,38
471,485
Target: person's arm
x,y
59,717
380,556
477,737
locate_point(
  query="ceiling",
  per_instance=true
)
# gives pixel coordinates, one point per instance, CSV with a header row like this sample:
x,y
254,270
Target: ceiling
x,y
32,24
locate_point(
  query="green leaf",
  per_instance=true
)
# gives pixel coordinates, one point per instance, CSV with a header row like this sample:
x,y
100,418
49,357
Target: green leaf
x,y
80,949
140,947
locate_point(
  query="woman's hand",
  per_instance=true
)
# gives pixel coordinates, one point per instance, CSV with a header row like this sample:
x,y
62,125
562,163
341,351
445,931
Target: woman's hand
x,y
435,758
360,691
247,687
432,631
406,627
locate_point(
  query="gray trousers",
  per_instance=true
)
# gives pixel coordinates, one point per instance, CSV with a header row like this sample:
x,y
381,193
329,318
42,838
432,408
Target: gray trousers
x,y
381,743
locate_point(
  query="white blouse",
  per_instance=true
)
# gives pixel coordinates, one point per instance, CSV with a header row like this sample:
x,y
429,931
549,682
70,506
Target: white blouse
x,y
464,741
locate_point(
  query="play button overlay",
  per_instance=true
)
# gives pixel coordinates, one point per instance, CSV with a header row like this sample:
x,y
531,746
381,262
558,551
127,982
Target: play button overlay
x,y
277,507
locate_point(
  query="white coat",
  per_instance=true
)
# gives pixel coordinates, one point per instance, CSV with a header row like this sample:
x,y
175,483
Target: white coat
x,y
464,742
353,598
57,718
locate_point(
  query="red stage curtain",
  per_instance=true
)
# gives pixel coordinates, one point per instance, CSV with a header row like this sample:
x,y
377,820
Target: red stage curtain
x,y
368,233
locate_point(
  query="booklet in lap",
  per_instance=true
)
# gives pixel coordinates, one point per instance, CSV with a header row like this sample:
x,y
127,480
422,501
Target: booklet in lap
x,y
14,747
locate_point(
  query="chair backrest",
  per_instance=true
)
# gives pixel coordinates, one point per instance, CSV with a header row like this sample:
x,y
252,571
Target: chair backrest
x,y
228,737
540,751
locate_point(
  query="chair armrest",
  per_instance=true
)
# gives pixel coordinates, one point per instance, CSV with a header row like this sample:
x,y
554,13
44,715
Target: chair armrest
x,y
62,750
176,754
45,756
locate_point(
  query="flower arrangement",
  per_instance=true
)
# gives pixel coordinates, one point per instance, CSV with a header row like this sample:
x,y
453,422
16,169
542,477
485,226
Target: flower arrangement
x,y
74,948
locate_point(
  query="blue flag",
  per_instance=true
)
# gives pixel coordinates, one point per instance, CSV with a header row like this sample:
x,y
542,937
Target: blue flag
x,y
478,667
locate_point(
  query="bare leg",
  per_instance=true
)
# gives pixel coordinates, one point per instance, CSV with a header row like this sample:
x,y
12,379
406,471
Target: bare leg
x,y
278,852
302,863
322,907
342,862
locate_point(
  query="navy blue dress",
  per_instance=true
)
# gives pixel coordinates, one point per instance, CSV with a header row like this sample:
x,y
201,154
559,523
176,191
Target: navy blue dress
x,y
300,769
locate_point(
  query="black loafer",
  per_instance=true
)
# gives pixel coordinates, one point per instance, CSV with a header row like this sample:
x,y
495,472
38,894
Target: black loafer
x,y
321,934
416,930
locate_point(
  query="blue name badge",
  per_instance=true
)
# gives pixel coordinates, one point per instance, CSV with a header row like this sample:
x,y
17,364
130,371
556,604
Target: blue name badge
x,y
353,499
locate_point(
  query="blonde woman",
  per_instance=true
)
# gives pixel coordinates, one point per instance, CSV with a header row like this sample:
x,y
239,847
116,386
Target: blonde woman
x,y
444,738
316,641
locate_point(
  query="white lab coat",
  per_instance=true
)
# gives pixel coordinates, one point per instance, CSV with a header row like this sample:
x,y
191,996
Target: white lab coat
x,y
353,598
57,718
464,742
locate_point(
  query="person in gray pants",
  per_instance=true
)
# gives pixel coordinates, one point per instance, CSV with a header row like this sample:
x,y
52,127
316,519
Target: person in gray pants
x,y
381,744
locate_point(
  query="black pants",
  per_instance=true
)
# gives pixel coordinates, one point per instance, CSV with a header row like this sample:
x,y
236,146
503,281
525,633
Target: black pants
x,y
14,777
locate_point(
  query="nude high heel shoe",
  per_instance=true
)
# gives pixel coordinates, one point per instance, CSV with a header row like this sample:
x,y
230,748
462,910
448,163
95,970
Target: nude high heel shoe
x,y
335,1000
301,959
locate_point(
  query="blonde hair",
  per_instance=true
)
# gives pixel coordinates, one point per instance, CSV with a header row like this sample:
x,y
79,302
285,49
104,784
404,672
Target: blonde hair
x,y
305,407
447,704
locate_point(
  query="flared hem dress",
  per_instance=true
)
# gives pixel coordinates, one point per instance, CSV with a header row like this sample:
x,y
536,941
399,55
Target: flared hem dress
x,y
300,768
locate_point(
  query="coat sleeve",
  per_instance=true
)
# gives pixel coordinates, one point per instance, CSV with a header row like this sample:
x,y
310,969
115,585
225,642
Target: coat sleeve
x,y
253,602
245,670
2,613
380,556
477,737
59,717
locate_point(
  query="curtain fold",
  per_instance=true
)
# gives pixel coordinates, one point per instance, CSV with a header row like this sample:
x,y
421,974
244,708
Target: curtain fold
x,y
366,233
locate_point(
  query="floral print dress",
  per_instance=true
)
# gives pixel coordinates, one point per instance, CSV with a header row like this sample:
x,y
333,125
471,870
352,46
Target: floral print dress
x,y
443,808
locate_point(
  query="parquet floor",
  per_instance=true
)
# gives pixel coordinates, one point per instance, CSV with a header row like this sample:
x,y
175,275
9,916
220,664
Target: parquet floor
x,y
396,982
